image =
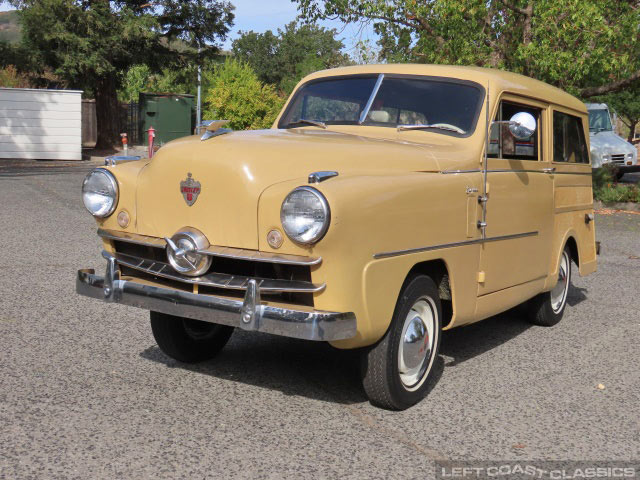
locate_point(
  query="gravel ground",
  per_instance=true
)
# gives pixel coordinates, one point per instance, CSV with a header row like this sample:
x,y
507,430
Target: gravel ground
x,y
85,392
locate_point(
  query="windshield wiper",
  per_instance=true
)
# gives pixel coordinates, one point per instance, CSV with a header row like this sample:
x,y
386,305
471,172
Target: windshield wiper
x,y
423,126
315,123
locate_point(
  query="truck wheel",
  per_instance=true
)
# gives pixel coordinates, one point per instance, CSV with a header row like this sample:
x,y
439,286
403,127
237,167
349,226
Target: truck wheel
x,y
396,370
188,340
547,308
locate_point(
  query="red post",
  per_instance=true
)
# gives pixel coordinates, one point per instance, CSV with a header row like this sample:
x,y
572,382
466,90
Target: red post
x,y
152,134
125,142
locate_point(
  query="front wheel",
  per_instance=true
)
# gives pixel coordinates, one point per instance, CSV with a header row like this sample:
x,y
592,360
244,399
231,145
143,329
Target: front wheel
x,y
396,371
188,340
547,308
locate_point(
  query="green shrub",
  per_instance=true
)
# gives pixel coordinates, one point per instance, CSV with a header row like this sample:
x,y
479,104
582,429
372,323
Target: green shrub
x,y
237,95
11,78
603,177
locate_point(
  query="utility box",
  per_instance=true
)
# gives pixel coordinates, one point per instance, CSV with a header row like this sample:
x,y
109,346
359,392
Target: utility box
x,y
170,115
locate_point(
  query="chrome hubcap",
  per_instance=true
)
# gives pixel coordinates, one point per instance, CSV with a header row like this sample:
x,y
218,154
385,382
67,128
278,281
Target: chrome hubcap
x,y
559,292
416,343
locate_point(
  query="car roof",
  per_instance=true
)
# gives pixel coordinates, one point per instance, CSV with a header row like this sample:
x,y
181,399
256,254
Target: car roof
x,y
498,80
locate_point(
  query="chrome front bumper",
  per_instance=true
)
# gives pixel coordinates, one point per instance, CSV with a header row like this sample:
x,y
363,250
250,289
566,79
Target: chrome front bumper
x,y
248,314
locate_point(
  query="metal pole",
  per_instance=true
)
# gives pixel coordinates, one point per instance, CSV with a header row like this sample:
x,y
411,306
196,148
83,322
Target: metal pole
x,y
199,104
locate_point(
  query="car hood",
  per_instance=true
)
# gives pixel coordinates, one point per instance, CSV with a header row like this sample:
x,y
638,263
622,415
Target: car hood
x,y
233,170
609,142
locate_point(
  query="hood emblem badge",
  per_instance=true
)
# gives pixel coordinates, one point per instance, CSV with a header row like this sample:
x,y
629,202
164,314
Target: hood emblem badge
x,y
190,189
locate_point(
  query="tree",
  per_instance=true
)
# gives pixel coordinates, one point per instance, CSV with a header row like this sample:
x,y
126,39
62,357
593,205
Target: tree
x,y
589,47
296,51
239,96
626,104
91,43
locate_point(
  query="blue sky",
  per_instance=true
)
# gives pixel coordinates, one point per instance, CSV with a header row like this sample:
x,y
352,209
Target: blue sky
x,y
261,15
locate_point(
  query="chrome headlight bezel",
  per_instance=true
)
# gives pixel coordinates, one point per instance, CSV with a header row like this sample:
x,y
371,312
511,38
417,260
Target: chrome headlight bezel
x,y
111,182
326,210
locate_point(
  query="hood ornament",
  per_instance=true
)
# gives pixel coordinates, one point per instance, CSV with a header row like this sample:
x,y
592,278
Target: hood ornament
x,y
190,189
214,128
184,252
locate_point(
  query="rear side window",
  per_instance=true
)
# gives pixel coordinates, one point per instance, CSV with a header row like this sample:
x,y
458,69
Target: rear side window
x,y
569,144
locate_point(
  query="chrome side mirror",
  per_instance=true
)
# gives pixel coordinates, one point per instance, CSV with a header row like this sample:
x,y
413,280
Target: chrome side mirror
x,y
522,125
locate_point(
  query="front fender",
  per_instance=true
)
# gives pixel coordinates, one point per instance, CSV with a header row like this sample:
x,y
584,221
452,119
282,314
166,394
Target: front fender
x,y
373,214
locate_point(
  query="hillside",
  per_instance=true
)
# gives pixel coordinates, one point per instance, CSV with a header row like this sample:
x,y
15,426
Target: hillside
x,y
9,27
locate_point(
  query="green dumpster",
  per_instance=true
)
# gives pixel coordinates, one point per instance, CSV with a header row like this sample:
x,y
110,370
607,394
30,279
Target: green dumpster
x,y
170,115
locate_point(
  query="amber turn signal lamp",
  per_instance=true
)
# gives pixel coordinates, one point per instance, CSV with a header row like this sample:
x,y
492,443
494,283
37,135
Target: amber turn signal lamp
x,y
123,219
274,238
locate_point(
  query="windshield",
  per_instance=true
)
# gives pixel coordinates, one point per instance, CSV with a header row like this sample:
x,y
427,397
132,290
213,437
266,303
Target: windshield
x,y
448,106
599,120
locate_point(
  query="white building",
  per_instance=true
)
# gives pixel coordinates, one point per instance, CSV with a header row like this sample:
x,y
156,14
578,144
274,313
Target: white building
x,y
40,124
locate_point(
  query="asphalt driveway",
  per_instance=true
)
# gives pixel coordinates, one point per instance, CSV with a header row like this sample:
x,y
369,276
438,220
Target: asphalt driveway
x,y
85,393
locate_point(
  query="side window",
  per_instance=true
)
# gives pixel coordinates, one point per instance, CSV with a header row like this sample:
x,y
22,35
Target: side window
x,y
502,144
569,144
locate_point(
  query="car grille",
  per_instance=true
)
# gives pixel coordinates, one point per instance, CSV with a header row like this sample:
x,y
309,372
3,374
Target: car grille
x,y
618,158
227,276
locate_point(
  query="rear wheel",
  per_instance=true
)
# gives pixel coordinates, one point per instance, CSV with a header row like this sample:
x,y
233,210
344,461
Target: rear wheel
x,y
396,371
188,340
547,308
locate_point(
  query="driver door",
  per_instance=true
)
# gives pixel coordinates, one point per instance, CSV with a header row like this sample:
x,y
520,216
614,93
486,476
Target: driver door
x,y
519,217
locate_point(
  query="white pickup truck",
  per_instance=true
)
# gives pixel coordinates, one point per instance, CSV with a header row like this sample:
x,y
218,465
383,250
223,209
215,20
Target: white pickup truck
x,y
606,146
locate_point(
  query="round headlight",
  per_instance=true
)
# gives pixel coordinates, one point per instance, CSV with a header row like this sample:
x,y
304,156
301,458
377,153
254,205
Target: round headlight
x,y
100,193
305,215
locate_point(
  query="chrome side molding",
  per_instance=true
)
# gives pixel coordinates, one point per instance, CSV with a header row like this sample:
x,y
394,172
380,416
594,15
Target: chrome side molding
x,y
409,251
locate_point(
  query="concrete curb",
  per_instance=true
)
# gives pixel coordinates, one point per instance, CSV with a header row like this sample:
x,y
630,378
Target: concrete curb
x,y
629,206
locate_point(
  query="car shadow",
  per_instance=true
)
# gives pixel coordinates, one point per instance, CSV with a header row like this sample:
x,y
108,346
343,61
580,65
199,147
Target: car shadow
x,y
294,367
467,342
318,371
576,295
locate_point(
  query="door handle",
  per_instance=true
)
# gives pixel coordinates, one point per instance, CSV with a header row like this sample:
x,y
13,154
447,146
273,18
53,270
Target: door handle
x,y
549,170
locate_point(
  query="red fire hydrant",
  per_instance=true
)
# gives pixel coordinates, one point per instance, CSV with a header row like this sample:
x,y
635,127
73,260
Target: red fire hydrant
x,y
125,142
152,134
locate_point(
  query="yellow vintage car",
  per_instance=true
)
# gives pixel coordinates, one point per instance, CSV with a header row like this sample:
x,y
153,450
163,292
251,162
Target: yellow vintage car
x,y
387,203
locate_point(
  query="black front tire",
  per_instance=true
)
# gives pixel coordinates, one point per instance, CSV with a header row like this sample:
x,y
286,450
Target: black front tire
x,y
188,340
381,375
541,309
